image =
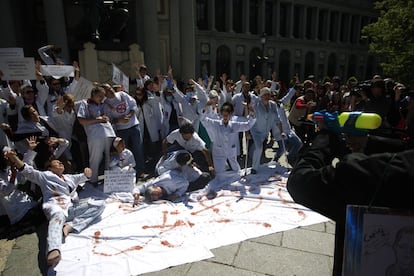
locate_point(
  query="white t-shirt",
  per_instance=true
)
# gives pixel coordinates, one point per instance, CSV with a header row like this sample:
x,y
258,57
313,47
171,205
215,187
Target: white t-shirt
x,y
192,145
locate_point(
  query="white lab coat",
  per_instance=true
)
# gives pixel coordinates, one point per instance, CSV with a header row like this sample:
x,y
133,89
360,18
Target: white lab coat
x,y
225,138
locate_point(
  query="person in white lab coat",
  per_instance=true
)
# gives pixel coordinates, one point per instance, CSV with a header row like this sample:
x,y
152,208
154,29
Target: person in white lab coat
x,y
224,133
266,118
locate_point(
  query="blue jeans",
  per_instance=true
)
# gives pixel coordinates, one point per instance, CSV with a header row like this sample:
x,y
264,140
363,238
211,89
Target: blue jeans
x,y
293,145
132,139
80,216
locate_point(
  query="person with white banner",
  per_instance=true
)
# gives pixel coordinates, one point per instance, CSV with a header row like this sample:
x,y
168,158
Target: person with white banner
x,y
55,88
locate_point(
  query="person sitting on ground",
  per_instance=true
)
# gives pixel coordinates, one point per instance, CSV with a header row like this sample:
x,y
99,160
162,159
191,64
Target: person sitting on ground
x,y
186,138
122,158
60,202
15,205
182,160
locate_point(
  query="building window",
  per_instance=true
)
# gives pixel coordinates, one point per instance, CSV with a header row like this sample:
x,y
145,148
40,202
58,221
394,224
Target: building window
x,y
355,29
284,66
297,21
323,16
254,16
333,27
283,21
310,14
332,63
202,14
345,27
204,68
238,16
269,18
310,63
223,60
364,22
255,63
220,15
239,68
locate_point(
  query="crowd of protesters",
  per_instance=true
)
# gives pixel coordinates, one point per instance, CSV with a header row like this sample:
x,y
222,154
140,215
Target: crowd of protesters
x,y
194,128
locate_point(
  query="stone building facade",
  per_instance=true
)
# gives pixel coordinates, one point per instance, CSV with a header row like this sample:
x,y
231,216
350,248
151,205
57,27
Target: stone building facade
x,y
199,37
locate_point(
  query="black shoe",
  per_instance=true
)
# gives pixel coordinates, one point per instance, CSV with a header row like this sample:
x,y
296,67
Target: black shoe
x,y
253,171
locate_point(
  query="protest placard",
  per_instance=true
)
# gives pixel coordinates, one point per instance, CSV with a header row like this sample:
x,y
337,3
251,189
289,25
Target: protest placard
x,y
11,53
119,77
82,89
18,68
57,71
119,181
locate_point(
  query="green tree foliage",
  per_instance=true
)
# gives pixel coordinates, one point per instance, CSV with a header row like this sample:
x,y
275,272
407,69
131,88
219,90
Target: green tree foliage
x,y
392,37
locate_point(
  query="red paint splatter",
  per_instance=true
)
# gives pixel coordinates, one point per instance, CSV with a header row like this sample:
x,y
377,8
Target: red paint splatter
x,y
280,194
166,243
176,212
302,214
267,225
97,238
223,220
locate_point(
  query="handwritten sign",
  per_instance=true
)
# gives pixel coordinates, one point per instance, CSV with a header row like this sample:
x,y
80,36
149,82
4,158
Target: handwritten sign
x,y
18,69
11,53
119,181
57,71
119,77
82,89
375,238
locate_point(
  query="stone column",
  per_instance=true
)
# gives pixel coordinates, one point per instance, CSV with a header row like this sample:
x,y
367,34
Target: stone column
x,y
175,39
246,16
55,25
291,20
261,15
150,31
229,17
357,31
327,28
349,29
338,27
316,24
211,16
303,20
88,62
8,39
276,18
187,36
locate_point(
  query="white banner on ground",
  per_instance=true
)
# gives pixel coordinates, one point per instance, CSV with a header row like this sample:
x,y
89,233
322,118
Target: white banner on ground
x,y
119,181
119,77
18,68
57,71
11,53
135,239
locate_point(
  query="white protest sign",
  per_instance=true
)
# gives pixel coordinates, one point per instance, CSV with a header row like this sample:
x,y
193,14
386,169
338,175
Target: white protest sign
x,y
82,89
119,77
57,71
119,181
18,69
11,53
